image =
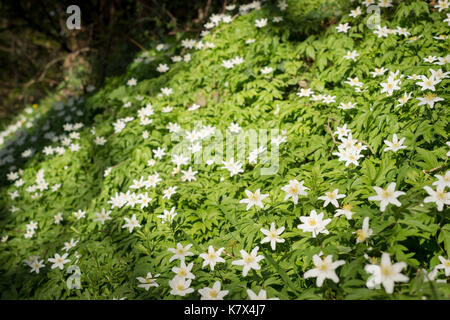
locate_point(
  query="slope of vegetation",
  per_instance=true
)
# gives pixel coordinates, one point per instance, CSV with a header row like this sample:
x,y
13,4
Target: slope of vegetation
x,y
97,179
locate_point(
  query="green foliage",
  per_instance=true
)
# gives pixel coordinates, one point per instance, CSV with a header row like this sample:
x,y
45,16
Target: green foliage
x,y
208,210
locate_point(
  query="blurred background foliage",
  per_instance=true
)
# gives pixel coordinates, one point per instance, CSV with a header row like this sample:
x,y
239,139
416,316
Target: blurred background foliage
x,y
39,55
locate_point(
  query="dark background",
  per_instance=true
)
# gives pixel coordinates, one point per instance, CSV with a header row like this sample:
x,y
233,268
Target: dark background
x,y
38,52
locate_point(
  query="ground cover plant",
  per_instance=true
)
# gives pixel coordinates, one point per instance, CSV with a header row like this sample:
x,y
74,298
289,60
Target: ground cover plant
x,y
130,191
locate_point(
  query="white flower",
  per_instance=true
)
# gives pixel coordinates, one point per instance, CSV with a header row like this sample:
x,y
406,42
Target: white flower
x,y
354,82
159,153
447,19
356,12
403,99
131,82
144,200
294,189
180,160
439,74
378,72
342,131
390,86
440,197
266,70
430,99
351,55
254,199
79,214
428,83
261,22
429,59
131,223
272,235
262,295
324,269
314,223
385,3
386,273
58,218
328,99
346,210
180,252
228,64
332,197
381,31
107,171
103,216
234,127
213,293
184,271
305,92
445,264
212,257
166,91
365,232
442,4
69,245
152,181
249,261
148,281
348,154
59,261
169,192
132,199
36,265
443,181
168,215
343,28
347,105
387,196
237,60
278,140
162,68
282,5
137,184
395,145
180,286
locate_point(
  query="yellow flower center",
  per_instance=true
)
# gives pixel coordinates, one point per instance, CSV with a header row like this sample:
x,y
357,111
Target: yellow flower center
x,y
293,189
312,222
213,293
361,235
440,195
248,259
347,207
386,270
386,194
430,96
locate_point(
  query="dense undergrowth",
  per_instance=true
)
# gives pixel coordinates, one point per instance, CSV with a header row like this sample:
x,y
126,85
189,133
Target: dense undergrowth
x,y
102,151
